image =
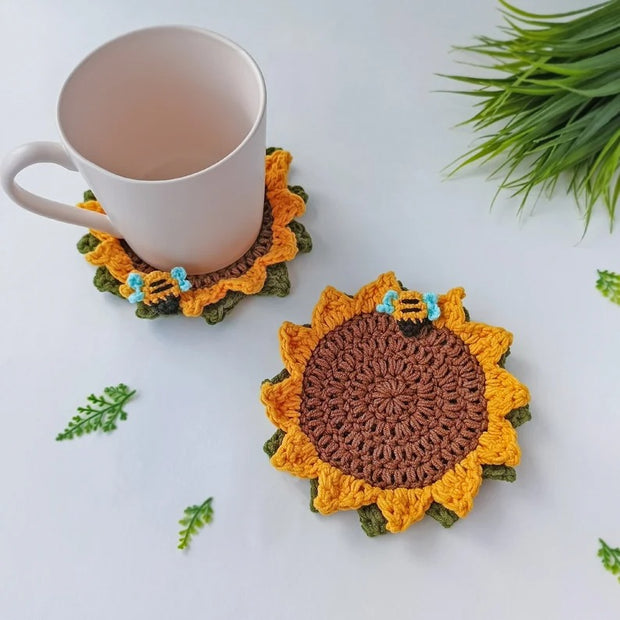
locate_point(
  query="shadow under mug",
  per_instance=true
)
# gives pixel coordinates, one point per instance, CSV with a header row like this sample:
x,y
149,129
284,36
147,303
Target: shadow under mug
x,y
167,127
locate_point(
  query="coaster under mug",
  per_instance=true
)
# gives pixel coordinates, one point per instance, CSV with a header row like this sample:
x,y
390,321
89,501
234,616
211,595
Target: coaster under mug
x,y
261,270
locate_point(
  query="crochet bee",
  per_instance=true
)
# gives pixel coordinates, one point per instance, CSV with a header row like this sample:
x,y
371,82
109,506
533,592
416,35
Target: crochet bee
x,y
158,288
413,311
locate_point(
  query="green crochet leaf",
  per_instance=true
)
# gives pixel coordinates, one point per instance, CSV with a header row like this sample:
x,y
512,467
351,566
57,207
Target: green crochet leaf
x,y
314,491
503,358
304,240
499,472
374,523
277,282
372,520
608,284
216,312
283,374
146,312
106,282
442,515
299,190
194,519
87,243
270,447
519,416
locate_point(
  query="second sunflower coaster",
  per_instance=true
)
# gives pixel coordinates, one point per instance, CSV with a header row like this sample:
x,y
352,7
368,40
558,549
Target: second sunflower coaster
x,y
393,403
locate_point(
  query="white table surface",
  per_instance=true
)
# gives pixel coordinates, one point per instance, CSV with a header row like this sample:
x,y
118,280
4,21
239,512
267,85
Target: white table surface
x,y
88,528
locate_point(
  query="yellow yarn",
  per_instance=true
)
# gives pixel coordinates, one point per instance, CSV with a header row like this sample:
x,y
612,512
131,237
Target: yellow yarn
x,y
285,206
401,507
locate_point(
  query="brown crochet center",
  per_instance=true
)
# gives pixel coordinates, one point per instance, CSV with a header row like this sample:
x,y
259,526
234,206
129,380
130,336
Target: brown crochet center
x,y
261,246
392,410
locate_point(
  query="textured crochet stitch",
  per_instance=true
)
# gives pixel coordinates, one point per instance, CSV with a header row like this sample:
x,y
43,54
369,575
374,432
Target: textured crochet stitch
x,y
261,270
395,404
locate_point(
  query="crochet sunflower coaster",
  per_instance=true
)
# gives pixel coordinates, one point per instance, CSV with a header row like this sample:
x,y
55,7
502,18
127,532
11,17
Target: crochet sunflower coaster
x,y
393,403
260,271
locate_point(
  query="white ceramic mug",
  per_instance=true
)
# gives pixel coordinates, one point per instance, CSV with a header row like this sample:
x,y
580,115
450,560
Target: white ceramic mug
x,y
167,127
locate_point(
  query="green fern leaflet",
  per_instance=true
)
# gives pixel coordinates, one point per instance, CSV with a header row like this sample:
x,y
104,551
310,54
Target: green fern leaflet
x,y
609,284
610,558
195,518
101,413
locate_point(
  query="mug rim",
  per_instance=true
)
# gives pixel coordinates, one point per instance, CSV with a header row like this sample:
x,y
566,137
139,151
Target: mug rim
x,y
178,27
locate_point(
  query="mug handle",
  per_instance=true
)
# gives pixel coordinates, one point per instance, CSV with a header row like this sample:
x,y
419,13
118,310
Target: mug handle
x,y
53,153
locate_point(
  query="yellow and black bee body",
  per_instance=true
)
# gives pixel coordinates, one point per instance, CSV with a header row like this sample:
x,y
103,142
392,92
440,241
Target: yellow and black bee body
x,y
414,312
159,289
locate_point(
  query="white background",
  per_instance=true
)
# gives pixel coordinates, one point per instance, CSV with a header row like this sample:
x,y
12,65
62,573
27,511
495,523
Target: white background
x,y
88,528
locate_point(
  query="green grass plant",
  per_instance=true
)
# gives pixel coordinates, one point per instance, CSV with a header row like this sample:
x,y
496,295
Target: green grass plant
x,y
551,106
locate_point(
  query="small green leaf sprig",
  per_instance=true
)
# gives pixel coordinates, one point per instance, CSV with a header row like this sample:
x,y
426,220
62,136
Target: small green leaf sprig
x,y
195,518
608,284
610,558
102,413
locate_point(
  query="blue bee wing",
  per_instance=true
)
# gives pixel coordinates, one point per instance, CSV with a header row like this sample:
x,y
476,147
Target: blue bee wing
x,y
135,281
134,298
180,275
387,306
430,299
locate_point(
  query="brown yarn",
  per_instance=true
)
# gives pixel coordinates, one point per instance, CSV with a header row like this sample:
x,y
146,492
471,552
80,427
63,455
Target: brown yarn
x,y
392,410
261,246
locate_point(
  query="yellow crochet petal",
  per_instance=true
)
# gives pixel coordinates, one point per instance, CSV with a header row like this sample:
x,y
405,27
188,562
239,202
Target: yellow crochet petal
x,y
91,205
286,205
487,343
457,488
402,507
282,401
110,253
193,302
334,308
504,392
339,491
284,246
297,455
276,170
251,282
498,445
372,294
451,307
296,345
